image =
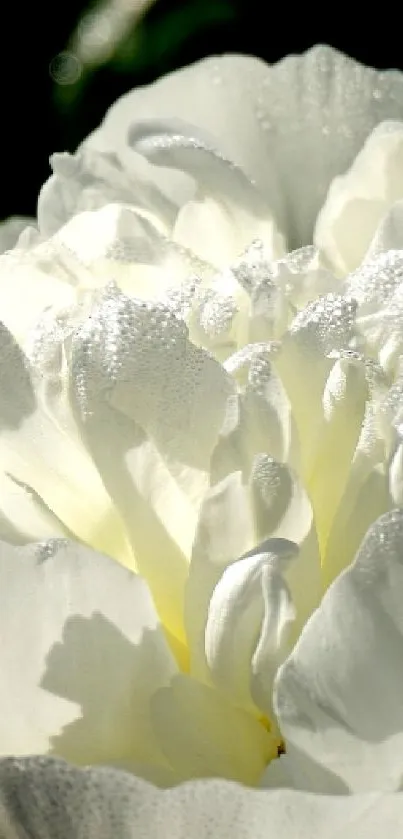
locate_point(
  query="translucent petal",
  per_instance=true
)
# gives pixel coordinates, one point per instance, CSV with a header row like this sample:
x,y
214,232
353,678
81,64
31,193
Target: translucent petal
x,y
360,199
195,727
44,461
159,402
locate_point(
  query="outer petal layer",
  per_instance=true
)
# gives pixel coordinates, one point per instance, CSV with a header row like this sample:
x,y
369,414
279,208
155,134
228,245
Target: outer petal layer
x,y
45,799
318,108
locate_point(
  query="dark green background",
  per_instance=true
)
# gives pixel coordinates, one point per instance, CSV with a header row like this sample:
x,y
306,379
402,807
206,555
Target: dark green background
x,y
39,116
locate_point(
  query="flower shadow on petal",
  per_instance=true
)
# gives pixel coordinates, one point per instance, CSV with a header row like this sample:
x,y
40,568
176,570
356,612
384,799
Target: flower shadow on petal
x,y
111,681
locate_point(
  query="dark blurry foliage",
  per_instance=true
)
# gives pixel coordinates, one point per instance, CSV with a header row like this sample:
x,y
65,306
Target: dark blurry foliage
x,y
41,113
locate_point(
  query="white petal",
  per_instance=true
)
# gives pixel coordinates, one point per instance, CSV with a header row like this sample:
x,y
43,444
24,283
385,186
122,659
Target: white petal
x,y
217,234
303,277
396,475
280,504
248,624
389,233
227,212
344,401
323,327
238,519
367,491
339,693
317,108
10,231
373,284
49,799
360,199
24,517
377,288
42,454
269,308
265,422
225,530
82,653
127,246
161,143
26,291
87,181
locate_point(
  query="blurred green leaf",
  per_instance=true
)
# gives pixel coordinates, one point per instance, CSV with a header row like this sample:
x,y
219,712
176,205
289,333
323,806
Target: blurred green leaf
x,y
155,41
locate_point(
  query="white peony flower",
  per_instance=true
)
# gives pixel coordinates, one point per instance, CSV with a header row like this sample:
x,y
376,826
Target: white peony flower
x,y
224,418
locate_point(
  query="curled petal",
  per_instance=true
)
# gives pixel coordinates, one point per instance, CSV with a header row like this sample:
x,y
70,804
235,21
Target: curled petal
x,y
248,622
